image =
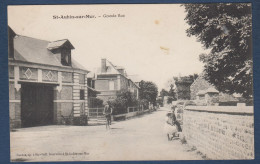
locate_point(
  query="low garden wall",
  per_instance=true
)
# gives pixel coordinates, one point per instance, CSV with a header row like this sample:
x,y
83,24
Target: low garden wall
x,y
129,115
220,132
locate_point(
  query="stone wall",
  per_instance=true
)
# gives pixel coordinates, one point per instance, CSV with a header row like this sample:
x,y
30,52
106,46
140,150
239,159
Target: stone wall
x,y
220,132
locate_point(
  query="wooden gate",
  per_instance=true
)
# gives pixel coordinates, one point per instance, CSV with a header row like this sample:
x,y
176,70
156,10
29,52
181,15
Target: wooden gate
x,y
96,116
36,105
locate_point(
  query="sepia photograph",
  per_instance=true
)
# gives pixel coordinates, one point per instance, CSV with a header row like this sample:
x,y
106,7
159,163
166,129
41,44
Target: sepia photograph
x,y
130,82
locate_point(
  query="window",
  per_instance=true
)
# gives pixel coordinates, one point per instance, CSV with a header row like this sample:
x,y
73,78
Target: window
x,y
111,85
66,57
89,82
81,78
82,94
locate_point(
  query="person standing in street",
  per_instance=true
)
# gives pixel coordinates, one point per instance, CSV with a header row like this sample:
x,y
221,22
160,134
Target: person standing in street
x,y
108,112
175,121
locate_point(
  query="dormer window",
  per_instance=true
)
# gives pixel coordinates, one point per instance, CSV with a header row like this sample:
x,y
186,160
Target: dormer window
x,y
62,49
66,57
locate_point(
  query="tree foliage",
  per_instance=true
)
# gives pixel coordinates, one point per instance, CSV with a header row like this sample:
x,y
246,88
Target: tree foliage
x,y
172,94
148,91
123,100
225,29
164,93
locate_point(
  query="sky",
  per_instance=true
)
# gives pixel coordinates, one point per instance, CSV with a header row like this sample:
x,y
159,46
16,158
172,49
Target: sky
x,y
149,41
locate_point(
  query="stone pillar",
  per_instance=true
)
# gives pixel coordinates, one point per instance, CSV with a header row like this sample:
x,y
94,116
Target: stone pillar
x,y
59,81
15,100
76,98
39,75
86,94
16,78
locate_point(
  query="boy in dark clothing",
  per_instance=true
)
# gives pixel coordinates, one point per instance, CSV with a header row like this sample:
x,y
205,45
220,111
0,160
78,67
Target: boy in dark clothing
x,y
107,112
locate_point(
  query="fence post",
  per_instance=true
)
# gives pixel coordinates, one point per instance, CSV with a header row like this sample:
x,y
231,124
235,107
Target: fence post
x,y
127,109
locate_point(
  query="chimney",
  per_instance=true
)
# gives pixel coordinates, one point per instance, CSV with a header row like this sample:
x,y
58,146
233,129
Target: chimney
x,y
103,66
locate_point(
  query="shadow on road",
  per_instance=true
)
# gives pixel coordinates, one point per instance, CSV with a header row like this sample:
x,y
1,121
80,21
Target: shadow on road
x,y
116,128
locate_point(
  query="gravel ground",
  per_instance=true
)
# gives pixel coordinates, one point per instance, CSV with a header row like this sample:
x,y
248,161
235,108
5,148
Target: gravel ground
x,y
139,138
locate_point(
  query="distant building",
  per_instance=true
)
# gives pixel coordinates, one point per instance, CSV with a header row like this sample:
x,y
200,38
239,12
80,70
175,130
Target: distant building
x,y
91,80
93,101
205,93
136,79
110,79
46,86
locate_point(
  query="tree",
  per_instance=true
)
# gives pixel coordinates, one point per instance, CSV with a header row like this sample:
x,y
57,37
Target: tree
x,y
164,93
172,94
225,29
149,91
183,84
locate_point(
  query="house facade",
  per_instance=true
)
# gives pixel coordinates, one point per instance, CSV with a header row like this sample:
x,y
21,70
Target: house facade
x,y
46,86
110,79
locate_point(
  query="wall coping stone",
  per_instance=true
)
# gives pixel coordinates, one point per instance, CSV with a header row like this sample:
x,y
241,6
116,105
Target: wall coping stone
x,y
246,110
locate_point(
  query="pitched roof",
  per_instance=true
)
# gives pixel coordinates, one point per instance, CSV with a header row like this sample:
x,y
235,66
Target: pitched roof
x,y
212,90
11,32
36,51
59,43
201,92
135,78
119,67
114,70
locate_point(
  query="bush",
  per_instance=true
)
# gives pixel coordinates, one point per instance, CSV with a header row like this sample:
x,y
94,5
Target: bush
x,y
170,100
144,103
123,100
119,105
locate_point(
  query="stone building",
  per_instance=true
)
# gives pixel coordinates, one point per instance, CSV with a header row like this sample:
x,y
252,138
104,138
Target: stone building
x,y
46,86
110,79
206,94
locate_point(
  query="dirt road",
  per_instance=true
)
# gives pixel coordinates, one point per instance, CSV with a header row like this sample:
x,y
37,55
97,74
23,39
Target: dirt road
x,y
139,138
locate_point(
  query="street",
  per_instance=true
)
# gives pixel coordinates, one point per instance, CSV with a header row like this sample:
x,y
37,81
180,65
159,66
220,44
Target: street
x,y
139,138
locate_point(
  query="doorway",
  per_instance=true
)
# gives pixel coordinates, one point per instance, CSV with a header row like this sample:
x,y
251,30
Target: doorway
x,y
37,104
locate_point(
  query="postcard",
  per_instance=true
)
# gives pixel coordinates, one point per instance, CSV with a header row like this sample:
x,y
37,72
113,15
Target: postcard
x,y
130,82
